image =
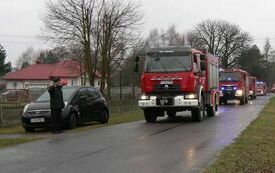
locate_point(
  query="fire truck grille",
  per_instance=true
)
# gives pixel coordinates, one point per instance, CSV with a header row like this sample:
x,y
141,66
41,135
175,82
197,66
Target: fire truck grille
x,y
166,87
229,94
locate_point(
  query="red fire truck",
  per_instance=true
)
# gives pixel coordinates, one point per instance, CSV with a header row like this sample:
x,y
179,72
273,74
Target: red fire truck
x,y
177,79
234,85
252,87
261,88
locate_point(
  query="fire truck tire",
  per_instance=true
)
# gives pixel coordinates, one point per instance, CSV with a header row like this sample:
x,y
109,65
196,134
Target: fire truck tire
x,y
211,111
149,116
246,100
242,101
198,113
223,102
171,114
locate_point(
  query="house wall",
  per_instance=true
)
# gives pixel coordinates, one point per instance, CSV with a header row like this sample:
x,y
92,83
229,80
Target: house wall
x,y
19,85
42,84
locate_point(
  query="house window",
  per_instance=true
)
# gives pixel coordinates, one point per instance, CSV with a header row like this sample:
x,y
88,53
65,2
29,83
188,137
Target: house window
x,y
14,85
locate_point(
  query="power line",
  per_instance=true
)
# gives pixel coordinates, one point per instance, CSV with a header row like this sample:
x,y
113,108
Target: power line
x,y
18,36
22,42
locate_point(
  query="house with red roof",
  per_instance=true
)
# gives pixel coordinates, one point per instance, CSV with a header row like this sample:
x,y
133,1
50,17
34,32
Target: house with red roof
x,y
39,75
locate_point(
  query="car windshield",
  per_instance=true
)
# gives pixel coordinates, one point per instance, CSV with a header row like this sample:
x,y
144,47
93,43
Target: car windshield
x,y
67,92
167,63
229,77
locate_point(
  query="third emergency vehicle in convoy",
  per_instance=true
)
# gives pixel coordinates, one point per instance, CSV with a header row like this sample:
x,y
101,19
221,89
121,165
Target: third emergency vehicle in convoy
x,y
177,79
234,85
261,88
252,87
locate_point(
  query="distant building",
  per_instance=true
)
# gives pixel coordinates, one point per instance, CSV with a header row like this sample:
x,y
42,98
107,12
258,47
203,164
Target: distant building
x,y
38,76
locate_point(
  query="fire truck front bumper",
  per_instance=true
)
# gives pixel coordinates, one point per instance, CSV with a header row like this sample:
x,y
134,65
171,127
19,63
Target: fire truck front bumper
x,y
167,102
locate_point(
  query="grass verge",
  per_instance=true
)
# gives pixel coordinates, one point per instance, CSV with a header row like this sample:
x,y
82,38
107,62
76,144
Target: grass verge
x,y
12,130
8,142
254,150
114,119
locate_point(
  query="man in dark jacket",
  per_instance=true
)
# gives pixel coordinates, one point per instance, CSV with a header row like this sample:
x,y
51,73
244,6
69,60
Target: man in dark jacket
x,y
56,103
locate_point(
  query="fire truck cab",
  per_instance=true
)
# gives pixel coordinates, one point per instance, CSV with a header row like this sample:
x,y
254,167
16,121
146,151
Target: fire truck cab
x,y
234,85
261,88
176,79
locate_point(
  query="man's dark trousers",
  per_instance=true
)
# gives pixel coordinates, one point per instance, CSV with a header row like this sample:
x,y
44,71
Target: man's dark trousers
x,y
56,120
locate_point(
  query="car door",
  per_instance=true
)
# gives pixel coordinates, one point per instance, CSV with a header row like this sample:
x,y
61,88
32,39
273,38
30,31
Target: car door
x,y
82,97
94,104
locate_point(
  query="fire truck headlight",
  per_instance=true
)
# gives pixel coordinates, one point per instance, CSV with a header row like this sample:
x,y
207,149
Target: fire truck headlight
x,y
144,97
250,92
239,93
190,96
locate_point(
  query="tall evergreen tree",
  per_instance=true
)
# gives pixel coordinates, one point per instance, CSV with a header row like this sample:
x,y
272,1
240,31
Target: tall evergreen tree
x,y
4,68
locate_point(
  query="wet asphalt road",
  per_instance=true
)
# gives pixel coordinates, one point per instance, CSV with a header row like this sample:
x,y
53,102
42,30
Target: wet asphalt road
x,y
165,146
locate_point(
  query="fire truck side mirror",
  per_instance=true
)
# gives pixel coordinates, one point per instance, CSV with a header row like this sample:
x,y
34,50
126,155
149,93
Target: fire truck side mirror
x,y
136,64
137,59
203,65
202,57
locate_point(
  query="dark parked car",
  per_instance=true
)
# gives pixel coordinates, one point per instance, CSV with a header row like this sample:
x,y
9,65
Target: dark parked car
x,y
82,104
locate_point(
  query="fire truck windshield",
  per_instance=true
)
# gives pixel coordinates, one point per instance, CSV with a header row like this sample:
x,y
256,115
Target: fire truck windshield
x,y
229,77
167,63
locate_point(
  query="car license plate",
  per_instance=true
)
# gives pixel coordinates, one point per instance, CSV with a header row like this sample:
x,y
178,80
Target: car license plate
x,y
37,120
166,82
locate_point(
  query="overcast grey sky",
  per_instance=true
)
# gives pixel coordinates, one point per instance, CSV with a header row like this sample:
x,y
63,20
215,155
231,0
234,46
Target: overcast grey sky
x,y
20,19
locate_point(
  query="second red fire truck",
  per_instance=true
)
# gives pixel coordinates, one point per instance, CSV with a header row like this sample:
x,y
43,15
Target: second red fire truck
x,y
234,85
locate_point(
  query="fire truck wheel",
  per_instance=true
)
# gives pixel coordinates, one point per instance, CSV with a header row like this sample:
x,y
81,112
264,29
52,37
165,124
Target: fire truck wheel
x,y
149,116
171,114
242,101
211,111
246,100
198,113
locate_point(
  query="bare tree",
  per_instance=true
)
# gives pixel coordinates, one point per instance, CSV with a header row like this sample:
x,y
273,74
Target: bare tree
x,y
69,22
162,38
120,21
27,57
222,39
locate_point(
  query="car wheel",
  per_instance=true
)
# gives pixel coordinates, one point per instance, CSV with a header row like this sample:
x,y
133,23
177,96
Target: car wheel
x,y
29,129
72,121
104,117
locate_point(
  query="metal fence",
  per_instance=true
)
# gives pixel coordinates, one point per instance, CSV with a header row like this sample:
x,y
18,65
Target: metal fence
x,y
121,102
10,114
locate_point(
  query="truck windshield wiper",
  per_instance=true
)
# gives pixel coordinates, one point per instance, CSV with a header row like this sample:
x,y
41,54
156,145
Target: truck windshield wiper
x,y
182,65
157,59
164,68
